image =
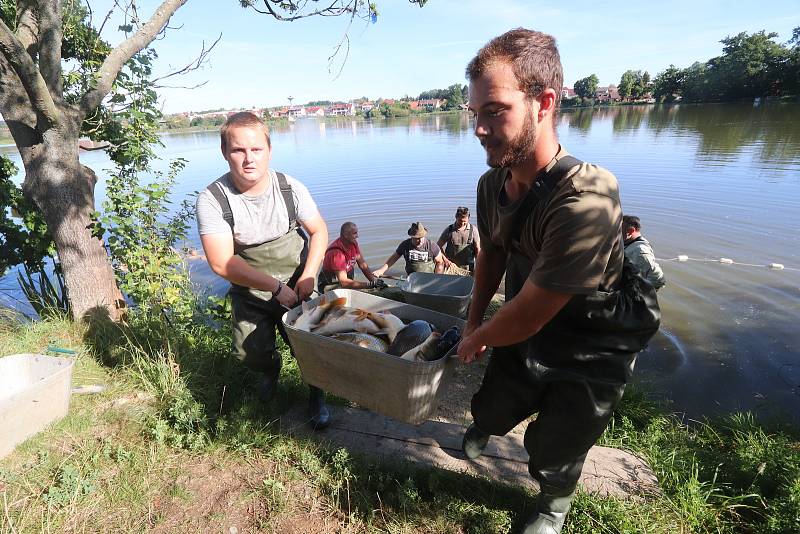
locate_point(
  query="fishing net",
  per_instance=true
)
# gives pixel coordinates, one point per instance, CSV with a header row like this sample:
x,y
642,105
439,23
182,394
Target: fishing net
x,y
455,269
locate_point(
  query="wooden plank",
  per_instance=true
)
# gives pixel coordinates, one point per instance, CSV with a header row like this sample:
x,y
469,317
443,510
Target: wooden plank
x,y
437,444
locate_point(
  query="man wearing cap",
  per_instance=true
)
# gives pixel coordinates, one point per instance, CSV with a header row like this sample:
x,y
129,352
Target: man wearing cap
x,y
420,253
341,257
249,222
461,241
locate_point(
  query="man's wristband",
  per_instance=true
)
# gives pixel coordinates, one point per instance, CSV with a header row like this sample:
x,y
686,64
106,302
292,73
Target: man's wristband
x,y
278,289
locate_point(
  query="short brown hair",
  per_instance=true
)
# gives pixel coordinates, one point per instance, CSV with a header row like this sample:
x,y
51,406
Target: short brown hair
x,y
462,210
631,221
533,56
243,119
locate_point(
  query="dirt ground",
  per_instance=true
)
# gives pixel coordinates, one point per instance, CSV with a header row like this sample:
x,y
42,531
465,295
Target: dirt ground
x,y
234,498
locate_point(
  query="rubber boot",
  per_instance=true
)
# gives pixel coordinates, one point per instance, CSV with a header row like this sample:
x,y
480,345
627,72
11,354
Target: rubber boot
x,y
268,385
320,416
551,510
475,441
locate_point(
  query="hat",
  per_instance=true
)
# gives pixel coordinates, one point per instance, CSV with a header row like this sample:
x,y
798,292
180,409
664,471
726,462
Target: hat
x,y
417,230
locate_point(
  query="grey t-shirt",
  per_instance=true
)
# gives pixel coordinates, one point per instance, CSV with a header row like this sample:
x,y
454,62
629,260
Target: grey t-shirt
x,y
256,219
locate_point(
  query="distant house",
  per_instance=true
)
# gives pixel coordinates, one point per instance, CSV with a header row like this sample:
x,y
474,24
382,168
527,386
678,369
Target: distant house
x,y
568,92
316,111
389,101
210,114
427,104
296,111
340,109
366,106
607,94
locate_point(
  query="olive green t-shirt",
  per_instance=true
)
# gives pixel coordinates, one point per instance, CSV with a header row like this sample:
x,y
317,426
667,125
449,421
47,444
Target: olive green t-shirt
x,y
573,237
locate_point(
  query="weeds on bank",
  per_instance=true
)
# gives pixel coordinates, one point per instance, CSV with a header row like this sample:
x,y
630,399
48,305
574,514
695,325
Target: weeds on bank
x,y
732,474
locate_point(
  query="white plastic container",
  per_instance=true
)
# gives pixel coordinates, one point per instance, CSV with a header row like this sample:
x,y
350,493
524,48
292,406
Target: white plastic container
x,y
34,392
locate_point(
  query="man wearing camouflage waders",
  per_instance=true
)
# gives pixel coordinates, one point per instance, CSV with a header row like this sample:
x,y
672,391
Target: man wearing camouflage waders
x,y
248,223
552,224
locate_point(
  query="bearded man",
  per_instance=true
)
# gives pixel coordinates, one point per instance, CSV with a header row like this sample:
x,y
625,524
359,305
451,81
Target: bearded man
x,y
552,225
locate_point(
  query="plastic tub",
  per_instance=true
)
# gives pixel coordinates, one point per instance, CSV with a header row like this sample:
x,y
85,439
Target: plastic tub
x,y
34,392
445,293
404,390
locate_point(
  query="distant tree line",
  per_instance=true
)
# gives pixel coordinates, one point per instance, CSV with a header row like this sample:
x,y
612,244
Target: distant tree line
x,y
750,66
455,95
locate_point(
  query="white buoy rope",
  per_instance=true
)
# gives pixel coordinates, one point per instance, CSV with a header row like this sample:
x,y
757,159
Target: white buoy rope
x,y
729,261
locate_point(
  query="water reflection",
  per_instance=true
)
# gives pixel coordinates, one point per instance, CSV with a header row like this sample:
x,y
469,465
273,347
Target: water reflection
x,y
629,118
725,130
579,120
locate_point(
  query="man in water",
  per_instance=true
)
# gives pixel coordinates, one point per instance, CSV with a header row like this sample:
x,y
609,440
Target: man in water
x,y
421,254
640,253
249,222
553,252
341,257
460,241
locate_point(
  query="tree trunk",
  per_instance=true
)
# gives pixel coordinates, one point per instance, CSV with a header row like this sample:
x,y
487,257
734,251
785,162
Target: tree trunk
x,y
63,190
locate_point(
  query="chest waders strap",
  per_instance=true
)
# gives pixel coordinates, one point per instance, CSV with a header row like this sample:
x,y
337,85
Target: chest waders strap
x,y
288,199
626,245
461,255
227,213
451,229
286,191
544,184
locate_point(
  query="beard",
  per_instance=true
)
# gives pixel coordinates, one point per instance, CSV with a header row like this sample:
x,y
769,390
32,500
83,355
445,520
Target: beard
x,y
517,150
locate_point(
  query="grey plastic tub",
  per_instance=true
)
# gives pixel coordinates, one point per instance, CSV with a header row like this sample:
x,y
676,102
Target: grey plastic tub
x,y
34,392
445,293
404,390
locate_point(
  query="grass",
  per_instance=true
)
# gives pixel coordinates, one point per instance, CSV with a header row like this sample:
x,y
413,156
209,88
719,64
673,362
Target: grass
x,y
177,442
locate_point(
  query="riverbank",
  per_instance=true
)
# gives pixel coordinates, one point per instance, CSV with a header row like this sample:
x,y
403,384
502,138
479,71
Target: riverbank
x,y
327,119
177,442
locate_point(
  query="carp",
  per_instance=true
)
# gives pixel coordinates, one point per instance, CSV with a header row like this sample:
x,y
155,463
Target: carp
x,y
346,320
367,341
425,351
389,323
312,315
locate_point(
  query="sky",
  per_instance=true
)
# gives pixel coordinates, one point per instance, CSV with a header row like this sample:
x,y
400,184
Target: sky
x,y
261,62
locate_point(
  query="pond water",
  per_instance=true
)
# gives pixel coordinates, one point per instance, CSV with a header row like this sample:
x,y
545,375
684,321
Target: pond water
x,y
709,182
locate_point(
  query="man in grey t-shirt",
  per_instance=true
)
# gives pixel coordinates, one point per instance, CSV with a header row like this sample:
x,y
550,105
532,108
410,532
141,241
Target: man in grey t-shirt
x,y
249,222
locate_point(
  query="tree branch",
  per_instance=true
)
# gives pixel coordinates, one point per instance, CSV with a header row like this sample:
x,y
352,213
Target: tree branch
x,y
334,9
25,69
121,54
50,34
27,28
195,64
